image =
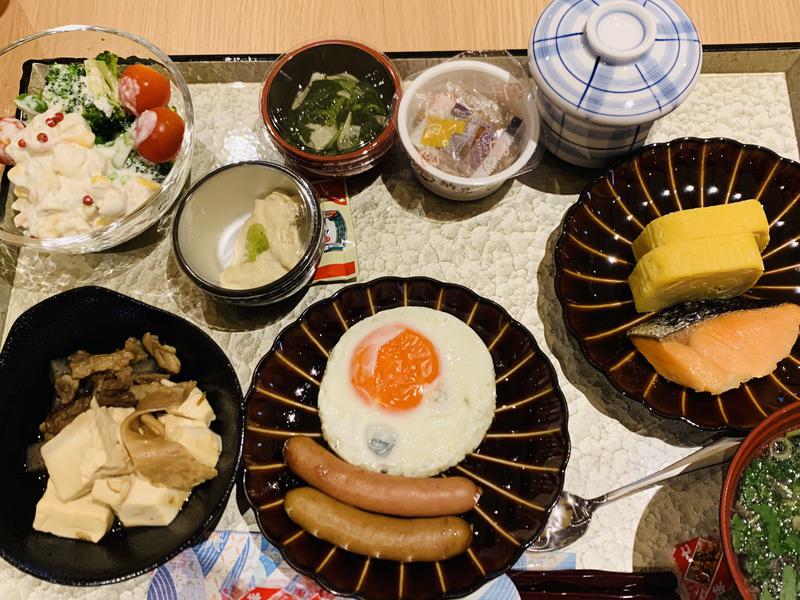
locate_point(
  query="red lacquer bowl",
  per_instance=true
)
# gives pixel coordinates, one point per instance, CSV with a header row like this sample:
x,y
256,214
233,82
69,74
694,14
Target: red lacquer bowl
x,y
776,425
292,71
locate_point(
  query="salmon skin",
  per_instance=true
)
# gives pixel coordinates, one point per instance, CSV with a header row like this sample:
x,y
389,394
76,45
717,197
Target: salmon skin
x,y
716,345
678,317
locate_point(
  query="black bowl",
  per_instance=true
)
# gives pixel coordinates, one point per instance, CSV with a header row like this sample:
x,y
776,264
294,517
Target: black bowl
x,y
99,320
201,221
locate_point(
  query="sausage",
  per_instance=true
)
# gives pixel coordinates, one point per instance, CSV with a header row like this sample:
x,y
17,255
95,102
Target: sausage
x,y
391,538
377,492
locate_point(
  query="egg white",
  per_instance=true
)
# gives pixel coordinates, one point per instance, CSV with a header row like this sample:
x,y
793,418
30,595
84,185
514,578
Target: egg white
x,y
452,419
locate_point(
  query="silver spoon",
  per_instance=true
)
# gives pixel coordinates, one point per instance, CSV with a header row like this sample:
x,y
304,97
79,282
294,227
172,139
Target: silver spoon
x,y
572,514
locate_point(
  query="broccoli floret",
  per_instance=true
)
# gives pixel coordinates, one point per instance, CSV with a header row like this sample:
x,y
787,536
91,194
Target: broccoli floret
x,y
111,60
67,72
156,172
106,128
65,85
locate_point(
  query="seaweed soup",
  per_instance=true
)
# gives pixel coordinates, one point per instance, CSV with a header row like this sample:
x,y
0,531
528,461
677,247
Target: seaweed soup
x,y
334,114
765,528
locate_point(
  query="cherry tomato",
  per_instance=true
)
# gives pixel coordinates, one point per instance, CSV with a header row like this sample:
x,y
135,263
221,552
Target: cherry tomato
x,y
142,88
158,133
9,127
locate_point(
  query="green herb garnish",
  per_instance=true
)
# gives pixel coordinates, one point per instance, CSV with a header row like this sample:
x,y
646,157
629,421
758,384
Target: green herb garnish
x,y
765,530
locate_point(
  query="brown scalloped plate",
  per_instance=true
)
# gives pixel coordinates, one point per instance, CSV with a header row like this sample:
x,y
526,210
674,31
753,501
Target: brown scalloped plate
x,y
594,259
519,465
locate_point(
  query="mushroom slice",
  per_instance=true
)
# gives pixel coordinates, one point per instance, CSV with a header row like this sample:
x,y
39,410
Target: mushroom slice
x,y
156,395
165,355
162,461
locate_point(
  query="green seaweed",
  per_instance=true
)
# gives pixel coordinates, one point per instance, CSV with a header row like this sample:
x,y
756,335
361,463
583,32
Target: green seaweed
x,y
338,105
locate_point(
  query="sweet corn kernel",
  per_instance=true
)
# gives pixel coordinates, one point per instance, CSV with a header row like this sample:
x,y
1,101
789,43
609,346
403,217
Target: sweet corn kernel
x,y
149,183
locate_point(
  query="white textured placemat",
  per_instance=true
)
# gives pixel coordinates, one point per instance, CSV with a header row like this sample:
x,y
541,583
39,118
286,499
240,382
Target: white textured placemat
x,y
501,247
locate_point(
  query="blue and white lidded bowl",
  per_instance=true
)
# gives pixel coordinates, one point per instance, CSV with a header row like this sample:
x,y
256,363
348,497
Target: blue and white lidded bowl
x,y
606,70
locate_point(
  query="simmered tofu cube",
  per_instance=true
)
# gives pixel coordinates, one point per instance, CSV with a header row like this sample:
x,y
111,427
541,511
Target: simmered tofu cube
x,y
111,491
202,443
149,504
173,422
118,413
80,519
194,407
108,457
88,448
63,456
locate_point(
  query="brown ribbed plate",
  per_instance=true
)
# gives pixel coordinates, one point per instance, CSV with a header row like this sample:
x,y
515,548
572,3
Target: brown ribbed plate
x,y
594,259
519,465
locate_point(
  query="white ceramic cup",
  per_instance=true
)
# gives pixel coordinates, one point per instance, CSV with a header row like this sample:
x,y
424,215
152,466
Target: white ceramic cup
x,y
451,186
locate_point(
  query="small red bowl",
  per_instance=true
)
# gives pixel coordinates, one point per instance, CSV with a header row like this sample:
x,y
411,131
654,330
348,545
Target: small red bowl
x,y
292,71
776,425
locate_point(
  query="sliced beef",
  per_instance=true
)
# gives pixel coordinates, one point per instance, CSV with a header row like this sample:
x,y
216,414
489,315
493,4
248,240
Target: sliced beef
x,y
62,416
136,348
94,363
65,387
113,388
154,394
146,365
143,378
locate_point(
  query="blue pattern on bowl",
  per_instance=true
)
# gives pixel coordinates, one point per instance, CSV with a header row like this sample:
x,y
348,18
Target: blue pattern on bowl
x,y
606,70
568,68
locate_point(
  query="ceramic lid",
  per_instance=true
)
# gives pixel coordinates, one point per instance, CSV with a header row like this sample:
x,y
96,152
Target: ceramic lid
x,y
615,62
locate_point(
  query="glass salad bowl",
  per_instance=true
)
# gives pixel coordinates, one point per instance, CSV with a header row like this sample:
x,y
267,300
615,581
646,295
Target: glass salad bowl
x,y
79,200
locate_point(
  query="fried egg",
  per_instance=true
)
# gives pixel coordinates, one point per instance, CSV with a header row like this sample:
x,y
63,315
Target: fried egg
x,y
409,391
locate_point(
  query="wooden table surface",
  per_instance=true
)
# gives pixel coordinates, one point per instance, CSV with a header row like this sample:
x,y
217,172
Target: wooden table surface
x,y
264,26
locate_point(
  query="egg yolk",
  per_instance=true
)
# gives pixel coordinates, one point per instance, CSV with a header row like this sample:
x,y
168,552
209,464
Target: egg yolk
x,y
392,366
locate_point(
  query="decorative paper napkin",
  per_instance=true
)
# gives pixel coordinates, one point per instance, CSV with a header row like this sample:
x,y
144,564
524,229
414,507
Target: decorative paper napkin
x,y
236,565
